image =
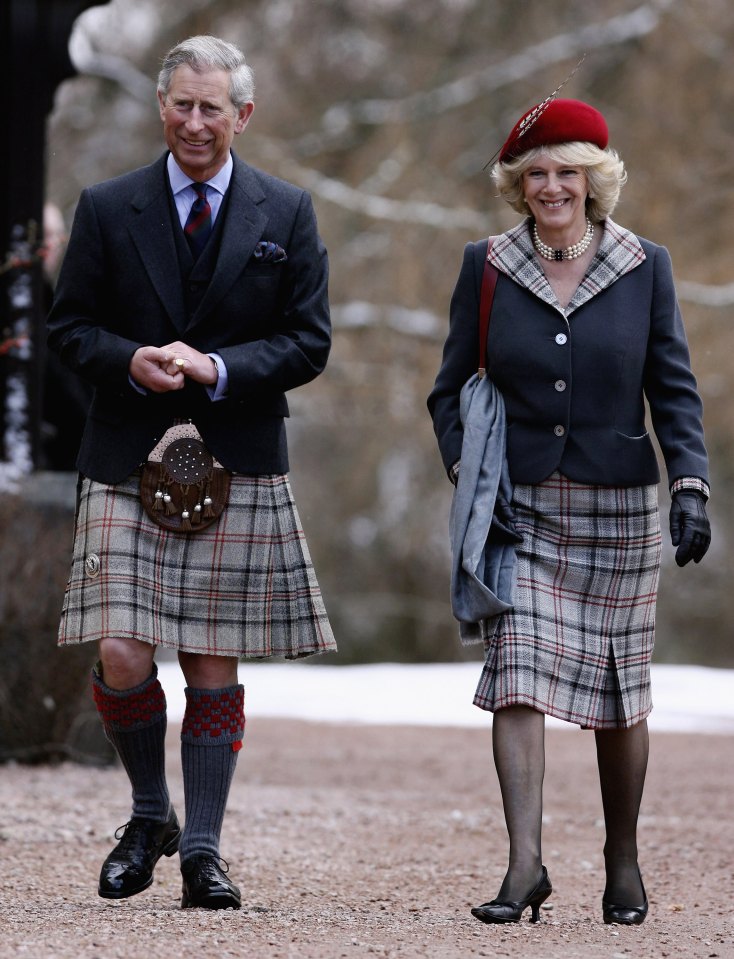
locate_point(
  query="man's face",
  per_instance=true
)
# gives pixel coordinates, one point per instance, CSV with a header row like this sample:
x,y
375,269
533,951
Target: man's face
x,y
200,121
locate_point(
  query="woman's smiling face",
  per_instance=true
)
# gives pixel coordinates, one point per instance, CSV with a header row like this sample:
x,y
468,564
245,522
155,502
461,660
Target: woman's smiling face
x,y
556,196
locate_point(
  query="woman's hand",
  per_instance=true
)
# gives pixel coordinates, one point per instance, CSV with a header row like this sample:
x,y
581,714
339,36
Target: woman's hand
x,y
503,529
690,529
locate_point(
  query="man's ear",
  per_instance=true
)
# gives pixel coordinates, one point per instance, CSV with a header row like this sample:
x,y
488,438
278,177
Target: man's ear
x,y
243,117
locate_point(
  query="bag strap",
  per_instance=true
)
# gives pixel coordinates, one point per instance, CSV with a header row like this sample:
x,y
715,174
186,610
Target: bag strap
x,y
489,282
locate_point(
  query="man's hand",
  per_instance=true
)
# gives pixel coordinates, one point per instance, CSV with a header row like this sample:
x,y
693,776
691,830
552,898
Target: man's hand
x,y
164,368
690,529
180,358
151,368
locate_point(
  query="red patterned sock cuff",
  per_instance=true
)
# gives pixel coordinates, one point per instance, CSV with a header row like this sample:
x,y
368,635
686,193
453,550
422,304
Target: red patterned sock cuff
x,y
214,716
125,710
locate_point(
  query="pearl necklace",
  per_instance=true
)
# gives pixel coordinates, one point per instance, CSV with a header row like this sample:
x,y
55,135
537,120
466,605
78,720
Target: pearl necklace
x,y
571,252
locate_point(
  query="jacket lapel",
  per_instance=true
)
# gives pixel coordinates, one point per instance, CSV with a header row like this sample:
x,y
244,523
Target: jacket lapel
x,y
619,252
151,231
243,226
513,254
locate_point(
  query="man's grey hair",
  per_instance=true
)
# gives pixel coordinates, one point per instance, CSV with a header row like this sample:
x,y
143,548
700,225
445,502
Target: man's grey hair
x,y
210,53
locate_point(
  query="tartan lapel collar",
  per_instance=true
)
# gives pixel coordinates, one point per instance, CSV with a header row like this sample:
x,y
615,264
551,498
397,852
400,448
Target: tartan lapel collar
x,y
513,254
619,252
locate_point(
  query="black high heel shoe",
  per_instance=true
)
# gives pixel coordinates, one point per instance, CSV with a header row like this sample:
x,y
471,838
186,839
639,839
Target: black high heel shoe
x,y
506,911
625,915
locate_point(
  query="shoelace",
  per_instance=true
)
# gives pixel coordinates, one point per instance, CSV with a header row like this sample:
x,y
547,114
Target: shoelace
x,y
122,830
222,863
131,834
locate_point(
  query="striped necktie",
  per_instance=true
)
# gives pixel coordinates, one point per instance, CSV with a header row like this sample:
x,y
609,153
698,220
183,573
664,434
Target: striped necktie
x,y
198,226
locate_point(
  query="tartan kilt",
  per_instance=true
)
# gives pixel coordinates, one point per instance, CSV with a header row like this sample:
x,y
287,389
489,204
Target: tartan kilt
x,y
578,641
244,586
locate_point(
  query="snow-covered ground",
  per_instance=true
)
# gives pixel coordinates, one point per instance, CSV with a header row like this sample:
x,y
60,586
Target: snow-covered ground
x,y
686,698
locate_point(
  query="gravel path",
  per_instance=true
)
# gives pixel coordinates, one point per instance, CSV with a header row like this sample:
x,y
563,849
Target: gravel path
x,y
363,841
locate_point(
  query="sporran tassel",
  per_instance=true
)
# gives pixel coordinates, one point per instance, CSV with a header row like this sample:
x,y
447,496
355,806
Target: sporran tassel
x,y
158,498
185,514
208,511
196,512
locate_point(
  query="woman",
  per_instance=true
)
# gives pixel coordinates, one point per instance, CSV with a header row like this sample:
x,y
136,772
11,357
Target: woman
x,y
584,326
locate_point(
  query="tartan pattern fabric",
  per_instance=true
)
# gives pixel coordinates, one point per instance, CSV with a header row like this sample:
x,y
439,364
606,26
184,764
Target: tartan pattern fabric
x,y
694,483
578,642
214,716
244,586
129,709
619,252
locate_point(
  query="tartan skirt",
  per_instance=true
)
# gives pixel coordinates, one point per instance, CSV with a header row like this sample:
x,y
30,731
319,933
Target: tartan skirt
x,y
244,586
578,641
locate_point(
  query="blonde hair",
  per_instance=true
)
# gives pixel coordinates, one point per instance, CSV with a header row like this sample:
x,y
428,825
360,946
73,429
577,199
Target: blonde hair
x,y
605,174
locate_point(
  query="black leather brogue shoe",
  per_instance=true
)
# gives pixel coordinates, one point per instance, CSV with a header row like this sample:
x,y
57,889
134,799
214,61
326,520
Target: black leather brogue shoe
x,y
205,885
129,867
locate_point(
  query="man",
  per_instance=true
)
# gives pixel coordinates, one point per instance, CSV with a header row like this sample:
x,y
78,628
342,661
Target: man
x,y
193,295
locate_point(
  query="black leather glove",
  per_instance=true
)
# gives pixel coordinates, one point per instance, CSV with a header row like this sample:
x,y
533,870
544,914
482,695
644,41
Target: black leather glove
x,y
503,528
690,529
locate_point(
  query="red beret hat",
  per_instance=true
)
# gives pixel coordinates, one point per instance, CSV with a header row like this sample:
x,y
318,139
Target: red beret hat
x,y
555,121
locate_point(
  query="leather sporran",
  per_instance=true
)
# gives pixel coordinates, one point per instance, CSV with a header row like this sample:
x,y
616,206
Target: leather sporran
x,y
182,487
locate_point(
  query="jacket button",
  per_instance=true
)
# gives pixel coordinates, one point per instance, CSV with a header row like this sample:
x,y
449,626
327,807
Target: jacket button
x,y
560,385
561,338
559,430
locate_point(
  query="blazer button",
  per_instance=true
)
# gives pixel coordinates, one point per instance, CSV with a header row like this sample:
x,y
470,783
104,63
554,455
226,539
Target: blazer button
x,y
560,385
559,430
561,338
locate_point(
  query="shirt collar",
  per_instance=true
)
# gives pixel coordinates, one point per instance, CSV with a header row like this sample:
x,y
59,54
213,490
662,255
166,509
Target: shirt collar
x,y
180,181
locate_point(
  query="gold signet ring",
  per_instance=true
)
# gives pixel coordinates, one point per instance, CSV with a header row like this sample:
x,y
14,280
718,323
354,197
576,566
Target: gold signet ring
x,y
180,363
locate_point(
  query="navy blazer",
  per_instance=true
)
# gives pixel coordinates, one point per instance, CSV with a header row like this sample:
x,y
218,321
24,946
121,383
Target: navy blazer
x,y
120,287
574,385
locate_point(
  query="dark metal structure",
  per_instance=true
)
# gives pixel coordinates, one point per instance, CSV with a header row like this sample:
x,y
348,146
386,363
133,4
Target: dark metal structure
x,y
34,59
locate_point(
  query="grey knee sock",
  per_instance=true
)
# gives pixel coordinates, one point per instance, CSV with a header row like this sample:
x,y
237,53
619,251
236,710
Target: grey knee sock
x,y
211,737
134,721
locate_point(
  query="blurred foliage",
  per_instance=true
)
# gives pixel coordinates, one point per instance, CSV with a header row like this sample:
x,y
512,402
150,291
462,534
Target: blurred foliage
x,y
387,111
